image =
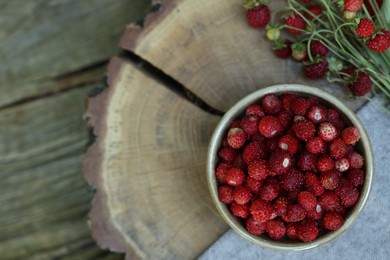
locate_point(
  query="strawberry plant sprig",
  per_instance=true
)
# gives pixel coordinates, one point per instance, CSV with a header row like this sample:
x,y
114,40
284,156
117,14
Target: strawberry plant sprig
x,y
345,41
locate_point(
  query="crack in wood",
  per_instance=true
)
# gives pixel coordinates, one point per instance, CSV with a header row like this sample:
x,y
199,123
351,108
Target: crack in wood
x,y
169,82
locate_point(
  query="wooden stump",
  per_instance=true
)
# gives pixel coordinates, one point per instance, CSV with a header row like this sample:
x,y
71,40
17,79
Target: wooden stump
x,y
148,161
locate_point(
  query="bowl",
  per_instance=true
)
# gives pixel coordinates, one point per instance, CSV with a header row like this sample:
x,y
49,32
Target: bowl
x,y
363,146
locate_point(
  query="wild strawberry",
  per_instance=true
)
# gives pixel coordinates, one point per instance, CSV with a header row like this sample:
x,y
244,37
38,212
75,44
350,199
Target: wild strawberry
x,y
300,106
314,12
381,41
280,162
258,17
329,201
271,143
227,154
261,210
356,160
356,177
292,180
366,28
307,200
257,137
254,110
258,169
313,184
253,185
236,123
250,124
272,32
236,138
225,194
299,51
342,165
287,100
280,206
269,126
304,130
220,172
327,132
295,21
361,85
242,195
254,150
338,149
315,145
255,227
348,194
350,135
271,104
316,70
315,213
316,114
351,7
285,119
276,229
240,210
291,231
334,118
317,48
270,189
330,179
307,161
332,220
235,177
307,230
295,213
288,143
282,49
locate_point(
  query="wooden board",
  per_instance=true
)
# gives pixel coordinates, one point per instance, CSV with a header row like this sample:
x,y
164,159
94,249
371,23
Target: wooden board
x,y
148,161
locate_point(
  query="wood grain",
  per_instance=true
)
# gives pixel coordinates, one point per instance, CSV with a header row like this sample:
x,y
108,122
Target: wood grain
x,y
148,166
208,47
42,40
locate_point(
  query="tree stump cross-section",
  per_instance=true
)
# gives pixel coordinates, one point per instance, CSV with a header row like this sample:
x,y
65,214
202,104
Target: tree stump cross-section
x,y
148,161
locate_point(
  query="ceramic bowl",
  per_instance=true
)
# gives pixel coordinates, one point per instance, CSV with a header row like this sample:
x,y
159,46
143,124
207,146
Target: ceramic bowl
x,y
363,146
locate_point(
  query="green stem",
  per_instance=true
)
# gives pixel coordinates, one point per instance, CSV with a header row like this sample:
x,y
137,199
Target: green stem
x,y
378,105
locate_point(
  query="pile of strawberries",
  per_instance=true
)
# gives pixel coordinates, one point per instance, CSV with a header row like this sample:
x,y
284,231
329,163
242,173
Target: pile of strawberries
x,y
288,167
304,23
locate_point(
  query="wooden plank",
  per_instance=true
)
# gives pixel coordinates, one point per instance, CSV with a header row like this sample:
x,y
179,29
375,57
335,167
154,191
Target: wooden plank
x,y
148,166
209,48
44,199
42,40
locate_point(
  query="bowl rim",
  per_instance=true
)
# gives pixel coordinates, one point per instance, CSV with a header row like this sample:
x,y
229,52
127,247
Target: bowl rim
x,y
236,110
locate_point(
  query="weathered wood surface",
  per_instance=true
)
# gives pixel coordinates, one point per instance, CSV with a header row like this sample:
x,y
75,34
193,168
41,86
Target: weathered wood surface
x,y
52,54
148,161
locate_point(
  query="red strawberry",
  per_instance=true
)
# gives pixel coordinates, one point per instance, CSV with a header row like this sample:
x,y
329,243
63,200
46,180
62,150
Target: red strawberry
x,y
240,210
325,163
316,114
287,99
300,106
220,172
317,48
307,161
296,21
235,177
356,160
332,220
291,231
366,28
329,201
255,227
351,7
258,169
285,119
304,129
250,124
362,84
315,145
242,195
258,17
276,229
380,42
236,138
269,126
261,210
330,179
254,110
280,162
292,180
288,143
350,135
335,118
270,189
295,213
225,194
307,200
271,104
313,184
315,11
316,70
280,206
227,154
253,185
356,177
327,132
254,150
271,143
282,49
307,230
338,149
348,194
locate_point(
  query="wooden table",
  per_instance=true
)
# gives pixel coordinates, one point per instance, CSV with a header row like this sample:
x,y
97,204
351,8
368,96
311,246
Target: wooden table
x,y
53,53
